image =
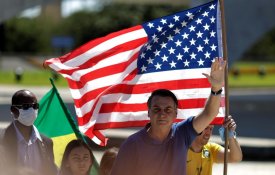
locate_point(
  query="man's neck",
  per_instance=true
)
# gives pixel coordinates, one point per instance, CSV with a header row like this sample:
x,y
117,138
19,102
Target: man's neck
x,y
159,135
26,131
196,147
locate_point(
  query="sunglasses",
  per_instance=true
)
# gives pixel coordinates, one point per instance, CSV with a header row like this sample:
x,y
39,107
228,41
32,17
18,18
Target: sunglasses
x,y
26,106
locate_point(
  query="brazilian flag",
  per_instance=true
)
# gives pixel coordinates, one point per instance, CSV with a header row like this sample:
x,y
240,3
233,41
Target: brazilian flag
x,y
56,122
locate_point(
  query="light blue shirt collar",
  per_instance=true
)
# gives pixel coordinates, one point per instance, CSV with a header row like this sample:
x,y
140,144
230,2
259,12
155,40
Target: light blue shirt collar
x,y
35,134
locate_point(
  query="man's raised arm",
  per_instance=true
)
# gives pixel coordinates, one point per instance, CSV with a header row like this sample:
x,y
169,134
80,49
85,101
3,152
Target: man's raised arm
x,y
211,109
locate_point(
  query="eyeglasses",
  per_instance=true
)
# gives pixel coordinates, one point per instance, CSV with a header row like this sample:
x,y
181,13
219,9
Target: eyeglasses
x,y
26,106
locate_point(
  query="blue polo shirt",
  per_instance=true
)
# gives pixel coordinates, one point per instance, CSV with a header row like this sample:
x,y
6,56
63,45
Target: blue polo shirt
x,y
142,155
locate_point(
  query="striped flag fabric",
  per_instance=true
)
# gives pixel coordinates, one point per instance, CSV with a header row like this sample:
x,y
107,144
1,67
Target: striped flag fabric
x,y
111,78
55,121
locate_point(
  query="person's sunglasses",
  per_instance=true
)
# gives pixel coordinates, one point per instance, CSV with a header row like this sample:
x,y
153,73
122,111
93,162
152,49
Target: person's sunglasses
x,y
26,106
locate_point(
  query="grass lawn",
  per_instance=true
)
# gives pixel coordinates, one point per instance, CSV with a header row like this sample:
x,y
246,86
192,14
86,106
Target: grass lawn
x,y
248,76
32,78
252,74
252,81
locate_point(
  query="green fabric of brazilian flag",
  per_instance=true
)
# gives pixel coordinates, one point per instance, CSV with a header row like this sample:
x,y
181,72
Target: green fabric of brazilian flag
x,y
55,121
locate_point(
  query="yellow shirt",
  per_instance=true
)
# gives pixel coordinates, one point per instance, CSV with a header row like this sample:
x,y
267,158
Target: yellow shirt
x,y
201,163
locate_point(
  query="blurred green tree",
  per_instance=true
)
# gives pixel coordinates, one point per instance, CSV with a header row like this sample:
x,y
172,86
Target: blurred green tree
x,y
263,49
24,35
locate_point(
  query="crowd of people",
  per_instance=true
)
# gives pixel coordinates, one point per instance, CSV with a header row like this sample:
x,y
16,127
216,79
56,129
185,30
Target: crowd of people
x,y
161,147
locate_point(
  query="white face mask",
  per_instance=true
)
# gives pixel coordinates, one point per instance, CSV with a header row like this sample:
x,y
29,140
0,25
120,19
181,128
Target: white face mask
x,y
27,117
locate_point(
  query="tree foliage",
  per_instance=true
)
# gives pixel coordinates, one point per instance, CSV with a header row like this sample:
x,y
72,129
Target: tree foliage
x,y
263,50
23,35
85,26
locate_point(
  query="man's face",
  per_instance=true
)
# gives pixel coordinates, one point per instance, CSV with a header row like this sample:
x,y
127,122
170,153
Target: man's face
x,y
25,100
163,112
206,134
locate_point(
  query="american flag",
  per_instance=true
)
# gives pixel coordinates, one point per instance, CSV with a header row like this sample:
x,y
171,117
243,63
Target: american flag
x,y
111,78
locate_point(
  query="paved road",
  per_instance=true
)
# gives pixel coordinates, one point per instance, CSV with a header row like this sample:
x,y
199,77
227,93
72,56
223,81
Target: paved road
x,y
246,168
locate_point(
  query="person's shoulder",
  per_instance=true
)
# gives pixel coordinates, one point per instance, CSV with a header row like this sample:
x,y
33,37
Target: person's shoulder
x,y
8,130
9,127
212,145
184,123
134,138
45,138
187,120
2,133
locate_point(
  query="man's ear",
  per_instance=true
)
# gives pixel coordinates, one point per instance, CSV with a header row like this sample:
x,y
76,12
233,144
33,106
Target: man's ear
x,y
148,113
14,110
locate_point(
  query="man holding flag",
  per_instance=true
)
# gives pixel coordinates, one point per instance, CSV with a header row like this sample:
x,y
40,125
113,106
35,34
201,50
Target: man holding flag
x,y
111,78
161,147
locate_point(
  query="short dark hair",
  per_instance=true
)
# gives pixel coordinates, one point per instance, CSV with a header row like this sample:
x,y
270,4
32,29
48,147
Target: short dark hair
x,y
22,95
162,93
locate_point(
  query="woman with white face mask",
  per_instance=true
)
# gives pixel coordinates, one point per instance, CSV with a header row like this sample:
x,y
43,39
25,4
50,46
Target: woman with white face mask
x,y
24,145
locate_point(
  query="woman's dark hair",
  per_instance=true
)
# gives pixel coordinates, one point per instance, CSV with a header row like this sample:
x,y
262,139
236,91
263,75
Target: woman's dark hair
x,y
64,170
162,93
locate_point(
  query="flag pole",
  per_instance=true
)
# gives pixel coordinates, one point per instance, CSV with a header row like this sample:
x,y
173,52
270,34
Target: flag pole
x,y
225,85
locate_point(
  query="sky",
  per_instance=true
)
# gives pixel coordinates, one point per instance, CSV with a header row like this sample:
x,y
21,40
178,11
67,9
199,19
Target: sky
x,y
71,6
68,7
